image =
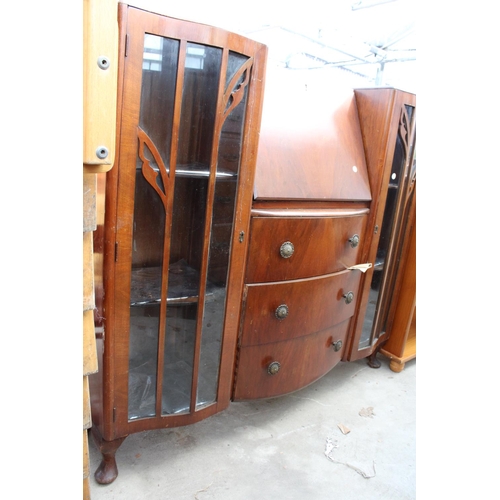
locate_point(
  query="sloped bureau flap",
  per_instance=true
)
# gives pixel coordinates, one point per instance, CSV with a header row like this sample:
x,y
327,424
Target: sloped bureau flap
x,y
310,145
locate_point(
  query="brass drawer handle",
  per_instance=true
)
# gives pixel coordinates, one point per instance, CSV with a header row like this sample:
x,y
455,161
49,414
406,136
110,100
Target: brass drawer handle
x,y
273,368
287,249
337,345
354,240
349,297
281,311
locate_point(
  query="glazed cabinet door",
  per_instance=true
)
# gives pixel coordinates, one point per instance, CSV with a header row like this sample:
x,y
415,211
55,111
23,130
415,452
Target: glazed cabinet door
x,y
190,109
388,123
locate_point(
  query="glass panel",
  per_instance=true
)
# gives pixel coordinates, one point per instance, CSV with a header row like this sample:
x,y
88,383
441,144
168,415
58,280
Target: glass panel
x,y
156,119
199,106
380,268
228,166
398,252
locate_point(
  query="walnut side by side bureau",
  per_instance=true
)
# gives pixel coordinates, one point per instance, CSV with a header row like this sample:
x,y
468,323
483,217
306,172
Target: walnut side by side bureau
x,y
237,232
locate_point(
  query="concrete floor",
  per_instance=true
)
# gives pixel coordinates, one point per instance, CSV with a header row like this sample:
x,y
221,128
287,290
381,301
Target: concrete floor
x,y
276,448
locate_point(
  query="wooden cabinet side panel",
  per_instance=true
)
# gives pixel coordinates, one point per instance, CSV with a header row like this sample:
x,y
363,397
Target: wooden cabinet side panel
x,y
406,304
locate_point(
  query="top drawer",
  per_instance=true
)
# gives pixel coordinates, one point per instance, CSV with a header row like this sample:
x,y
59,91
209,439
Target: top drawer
x,y
293,247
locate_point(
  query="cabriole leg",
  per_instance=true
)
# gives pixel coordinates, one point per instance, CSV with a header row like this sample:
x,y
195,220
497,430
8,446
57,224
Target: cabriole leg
x,y
107,471
372,360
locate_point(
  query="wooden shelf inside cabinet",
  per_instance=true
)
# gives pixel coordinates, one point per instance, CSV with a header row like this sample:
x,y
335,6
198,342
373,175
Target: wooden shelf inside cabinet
x,y
196,170
183,283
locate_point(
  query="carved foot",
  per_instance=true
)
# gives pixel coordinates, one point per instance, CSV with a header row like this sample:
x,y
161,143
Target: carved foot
x,y
373,362
107,471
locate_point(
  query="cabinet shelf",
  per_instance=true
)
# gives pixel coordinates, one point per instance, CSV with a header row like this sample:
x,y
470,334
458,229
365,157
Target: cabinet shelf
x,y
197,170
183,285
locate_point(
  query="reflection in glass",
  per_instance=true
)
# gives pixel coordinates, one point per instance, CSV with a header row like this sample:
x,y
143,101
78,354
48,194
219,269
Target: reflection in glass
x,y
380,268
228,165
170,215
156,120
196,134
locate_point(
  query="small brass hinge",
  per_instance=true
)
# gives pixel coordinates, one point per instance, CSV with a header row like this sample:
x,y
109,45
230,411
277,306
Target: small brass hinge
x,y
242,236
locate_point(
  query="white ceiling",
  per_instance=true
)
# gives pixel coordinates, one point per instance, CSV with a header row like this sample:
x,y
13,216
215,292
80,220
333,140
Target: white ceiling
x,y
367,42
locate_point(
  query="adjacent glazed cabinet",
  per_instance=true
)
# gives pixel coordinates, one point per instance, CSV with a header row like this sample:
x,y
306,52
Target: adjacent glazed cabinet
x,y
174,240
387,120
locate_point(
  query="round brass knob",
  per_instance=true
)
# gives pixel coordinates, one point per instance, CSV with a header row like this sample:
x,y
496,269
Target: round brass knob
x,y
281,311
273,368
354,240
286,250
349,296
337,345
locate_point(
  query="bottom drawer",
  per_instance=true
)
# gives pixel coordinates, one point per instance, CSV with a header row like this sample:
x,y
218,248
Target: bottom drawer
x,y
281,367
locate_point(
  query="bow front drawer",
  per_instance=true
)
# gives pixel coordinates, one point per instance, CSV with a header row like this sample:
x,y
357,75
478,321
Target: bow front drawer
x,y
290,309
281,367
294,247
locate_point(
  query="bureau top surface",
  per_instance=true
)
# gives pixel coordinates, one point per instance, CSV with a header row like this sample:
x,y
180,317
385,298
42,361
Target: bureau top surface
x,y
310,145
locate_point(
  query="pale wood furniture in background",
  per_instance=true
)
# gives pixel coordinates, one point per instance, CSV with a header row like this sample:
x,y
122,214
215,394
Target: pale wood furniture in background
x,y
99,112
402,344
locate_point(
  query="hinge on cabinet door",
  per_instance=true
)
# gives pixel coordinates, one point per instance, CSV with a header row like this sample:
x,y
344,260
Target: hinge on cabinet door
x,y
116,251
242,236
114,415
126,45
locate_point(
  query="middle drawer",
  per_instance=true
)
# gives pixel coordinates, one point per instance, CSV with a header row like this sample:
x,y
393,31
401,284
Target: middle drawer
x,y
285,310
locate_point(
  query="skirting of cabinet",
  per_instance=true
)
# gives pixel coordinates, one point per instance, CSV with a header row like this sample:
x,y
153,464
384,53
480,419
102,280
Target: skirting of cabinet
x,y
282,367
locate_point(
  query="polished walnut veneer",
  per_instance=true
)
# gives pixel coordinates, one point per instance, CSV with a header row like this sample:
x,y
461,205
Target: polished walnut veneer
x,y
297,363
388,126
310,146
236,261
170,256
312,200
309,221
311,304
323,242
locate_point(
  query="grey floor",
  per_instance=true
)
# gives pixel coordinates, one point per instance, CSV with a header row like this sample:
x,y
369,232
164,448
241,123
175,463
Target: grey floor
x,y
290,447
